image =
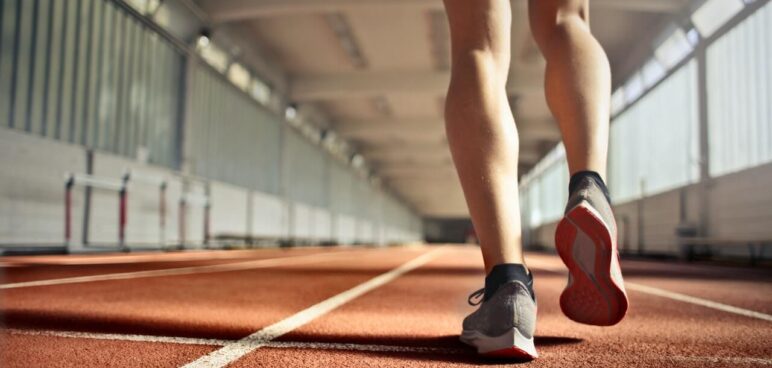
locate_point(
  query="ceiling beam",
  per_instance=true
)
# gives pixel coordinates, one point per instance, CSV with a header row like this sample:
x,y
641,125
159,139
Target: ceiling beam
x,y
441,173
374,84
223,11
408,150
538,130
430,128
389,123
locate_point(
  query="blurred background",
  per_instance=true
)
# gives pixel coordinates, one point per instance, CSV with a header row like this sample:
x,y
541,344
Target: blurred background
x,y
170,124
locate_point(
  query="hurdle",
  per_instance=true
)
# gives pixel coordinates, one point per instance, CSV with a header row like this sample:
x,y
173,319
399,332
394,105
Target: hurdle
x,y
193,199
90,181
161,183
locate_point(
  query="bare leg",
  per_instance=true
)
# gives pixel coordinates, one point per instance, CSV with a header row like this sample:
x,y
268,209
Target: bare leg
x,y
577,82
578,88
480,127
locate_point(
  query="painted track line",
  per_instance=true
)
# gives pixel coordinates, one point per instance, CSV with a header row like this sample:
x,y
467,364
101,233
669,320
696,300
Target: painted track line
x,y
377,348
228,267
698,301
149,257
236,350
222,342
670,295
118,337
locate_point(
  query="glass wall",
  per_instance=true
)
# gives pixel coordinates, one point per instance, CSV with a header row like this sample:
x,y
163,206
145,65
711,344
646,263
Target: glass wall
x,y
544,190
739,81
654,144
99,74
230,137
655,131
87,72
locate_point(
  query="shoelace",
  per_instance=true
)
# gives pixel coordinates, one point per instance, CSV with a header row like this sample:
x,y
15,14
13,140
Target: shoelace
x,y
478,295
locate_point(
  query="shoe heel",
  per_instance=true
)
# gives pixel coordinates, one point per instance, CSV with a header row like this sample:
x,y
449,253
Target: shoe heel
x,y
511,345
584,243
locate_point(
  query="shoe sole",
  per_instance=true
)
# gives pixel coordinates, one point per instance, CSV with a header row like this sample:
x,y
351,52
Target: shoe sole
x,y
510,345
584,243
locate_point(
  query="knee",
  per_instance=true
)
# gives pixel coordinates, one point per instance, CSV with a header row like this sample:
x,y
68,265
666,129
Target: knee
x,y
478,77
479,62
551,17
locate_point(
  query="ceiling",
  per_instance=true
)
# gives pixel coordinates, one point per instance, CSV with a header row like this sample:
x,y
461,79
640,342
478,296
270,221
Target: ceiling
x,y
378,71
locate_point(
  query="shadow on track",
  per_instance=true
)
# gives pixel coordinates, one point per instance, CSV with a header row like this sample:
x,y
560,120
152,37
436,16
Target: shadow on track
x,y
439,349
445,349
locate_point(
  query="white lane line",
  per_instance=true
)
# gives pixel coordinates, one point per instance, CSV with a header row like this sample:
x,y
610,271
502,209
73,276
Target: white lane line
x,y
234,351
235,266
221,342
118,337
123,258
668,294
698,301
346,346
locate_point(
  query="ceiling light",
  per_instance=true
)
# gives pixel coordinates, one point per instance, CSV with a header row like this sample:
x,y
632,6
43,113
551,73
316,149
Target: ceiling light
x,y
203,41
290,113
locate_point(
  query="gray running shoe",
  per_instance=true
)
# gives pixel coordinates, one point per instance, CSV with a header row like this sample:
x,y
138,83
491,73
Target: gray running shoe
x,y
503,326
586,240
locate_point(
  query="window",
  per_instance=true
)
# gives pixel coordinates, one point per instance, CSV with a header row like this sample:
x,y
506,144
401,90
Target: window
x,y
740,84
260,91
654,143
673,49
633,88
213,55
239,76
652,73
713,14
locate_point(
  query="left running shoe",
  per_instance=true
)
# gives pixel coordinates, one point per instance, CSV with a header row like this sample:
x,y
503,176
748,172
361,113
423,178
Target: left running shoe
x,y
503,326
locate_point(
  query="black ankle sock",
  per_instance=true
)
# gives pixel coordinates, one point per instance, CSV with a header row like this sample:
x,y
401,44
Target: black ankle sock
x,y
506,272
592,175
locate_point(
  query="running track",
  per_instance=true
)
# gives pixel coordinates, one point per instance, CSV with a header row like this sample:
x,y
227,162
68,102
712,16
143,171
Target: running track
x,y
355,307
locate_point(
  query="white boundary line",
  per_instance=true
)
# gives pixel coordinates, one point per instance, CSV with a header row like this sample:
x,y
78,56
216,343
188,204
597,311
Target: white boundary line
x,y
344,346
237,349
698,301
670,295
142,257
220,342
117,337
234,266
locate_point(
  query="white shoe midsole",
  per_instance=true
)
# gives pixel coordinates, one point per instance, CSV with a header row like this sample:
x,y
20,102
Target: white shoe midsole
x,y
511,338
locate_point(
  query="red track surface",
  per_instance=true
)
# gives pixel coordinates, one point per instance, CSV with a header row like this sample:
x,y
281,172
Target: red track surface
x,y
411,321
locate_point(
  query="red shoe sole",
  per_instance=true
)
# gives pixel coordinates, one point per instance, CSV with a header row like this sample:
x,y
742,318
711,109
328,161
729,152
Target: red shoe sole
x,y
509,353
585,245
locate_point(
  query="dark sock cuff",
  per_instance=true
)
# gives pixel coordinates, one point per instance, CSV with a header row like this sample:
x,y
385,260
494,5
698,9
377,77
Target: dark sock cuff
x,y
506,272
592,175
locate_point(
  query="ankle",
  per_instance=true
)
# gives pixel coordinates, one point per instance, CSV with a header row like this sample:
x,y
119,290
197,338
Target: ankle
x,y
507,272
580,176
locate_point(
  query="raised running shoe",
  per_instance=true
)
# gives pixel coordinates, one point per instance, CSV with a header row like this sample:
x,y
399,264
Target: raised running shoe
x,y
586,239
503,326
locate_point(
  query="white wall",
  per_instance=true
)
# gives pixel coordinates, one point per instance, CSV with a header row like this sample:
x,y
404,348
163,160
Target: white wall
x,y
229,208
270,217
738,209
32,178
